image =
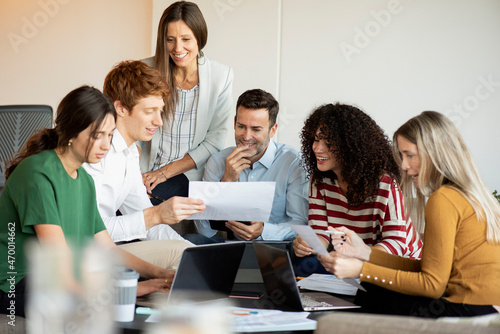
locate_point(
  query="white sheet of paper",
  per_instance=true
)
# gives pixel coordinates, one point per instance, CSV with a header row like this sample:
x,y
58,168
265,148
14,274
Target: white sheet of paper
x,y
309,236
241,201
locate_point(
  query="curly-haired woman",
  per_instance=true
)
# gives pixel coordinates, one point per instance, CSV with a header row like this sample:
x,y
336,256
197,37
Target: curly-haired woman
x,y
353,183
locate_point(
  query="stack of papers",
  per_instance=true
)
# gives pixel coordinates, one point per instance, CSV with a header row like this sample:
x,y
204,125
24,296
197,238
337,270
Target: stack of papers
x,y
246,320
330,283
263,320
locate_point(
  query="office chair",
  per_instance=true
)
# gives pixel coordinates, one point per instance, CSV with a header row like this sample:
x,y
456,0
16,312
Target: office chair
x,y
17,124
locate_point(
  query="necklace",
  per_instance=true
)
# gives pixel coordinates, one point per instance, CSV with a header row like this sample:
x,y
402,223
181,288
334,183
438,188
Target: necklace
x,y
189,81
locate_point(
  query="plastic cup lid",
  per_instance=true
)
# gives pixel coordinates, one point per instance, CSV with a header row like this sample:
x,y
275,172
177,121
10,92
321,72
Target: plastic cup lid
x,y
120,272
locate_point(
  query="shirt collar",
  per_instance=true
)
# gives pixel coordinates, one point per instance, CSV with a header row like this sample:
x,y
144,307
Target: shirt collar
x,y
119,145
267,159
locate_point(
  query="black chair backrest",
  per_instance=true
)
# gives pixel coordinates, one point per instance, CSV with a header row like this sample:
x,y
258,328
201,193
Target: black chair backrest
x,y
17,124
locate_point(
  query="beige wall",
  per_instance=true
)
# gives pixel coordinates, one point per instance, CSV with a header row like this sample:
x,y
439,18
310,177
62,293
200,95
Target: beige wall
x,y
392,58
430,54
49,47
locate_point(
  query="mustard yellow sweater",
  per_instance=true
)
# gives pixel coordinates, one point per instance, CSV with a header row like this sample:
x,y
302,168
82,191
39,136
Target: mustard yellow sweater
x,y
457,262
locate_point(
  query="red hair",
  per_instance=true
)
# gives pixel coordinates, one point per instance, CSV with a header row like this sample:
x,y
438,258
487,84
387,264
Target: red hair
x,y
130,81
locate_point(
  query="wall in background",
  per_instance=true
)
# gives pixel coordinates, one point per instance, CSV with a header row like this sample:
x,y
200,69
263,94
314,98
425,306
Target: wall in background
x,y
49,47
238,37
393,59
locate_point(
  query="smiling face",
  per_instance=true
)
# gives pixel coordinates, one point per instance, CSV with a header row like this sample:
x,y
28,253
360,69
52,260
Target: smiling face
x,y
182,46
325,159
92,147
142,121
410,159
251,129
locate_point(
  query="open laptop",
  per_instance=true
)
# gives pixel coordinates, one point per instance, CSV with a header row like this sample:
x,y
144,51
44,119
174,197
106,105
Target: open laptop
x,y
205,273
207,270
249,270
281,286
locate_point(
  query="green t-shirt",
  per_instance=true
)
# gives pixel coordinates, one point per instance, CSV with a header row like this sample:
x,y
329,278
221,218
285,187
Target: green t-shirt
x,y
40,191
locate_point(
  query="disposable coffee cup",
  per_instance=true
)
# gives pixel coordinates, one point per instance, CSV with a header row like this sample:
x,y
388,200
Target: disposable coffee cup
x,y
125,285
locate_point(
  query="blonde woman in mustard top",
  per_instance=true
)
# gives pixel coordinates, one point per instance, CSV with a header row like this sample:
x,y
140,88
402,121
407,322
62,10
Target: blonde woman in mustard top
x,y
459,273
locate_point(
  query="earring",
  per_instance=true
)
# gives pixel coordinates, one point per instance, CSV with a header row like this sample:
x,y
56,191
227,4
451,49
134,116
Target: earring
x,y
69,143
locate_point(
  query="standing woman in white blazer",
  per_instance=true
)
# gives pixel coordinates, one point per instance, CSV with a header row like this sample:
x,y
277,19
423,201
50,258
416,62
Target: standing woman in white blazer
x,y
196,118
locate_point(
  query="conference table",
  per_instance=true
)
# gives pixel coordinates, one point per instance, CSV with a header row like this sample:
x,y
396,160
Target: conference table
x,y
139,325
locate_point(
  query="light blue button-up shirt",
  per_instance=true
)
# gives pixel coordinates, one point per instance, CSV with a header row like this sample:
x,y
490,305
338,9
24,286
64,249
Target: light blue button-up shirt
x,y
281,164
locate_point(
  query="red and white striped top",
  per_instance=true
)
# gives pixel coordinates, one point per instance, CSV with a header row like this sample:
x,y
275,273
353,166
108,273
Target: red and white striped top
x,y
379,222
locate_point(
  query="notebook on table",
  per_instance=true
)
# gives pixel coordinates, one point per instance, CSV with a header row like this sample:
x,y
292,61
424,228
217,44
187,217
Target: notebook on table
x,y
281,286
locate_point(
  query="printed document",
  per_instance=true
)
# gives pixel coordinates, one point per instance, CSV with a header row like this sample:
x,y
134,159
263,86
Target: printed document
x,y
241,201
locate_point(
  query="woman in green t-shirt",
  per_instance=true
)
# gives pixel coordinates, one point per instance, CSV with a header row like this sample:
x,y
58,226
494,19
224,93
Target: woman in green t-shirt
x,y
49,196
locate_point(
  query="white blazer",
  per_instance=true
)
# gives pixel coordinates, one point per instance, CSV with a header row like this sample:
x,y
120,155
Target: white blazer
x,y
212,117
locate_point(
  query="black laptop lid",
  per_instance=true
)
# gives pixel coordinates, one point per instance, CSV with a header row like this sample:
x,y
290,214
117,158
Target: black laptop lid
x,y
208,269
249,259
278,276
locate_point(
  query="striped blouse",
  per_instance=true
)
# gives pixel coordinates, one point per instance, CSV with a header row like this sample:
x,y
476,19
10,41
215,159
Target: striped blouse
x,y
378,222
178,133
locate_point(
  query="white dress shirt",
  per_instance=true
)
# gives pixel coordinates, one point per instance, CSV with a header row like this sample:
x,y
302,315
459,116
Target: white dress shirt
x,y
118,184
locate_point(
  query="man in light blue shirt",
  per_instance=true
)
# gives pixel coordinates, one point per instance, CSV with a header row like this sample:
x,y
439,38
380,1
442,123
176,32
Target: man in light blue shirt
x,y
257,158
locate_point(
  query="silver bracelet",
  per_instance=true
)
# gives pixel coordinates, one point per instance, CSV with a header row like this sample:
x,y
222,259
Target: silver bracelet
x,y
166,178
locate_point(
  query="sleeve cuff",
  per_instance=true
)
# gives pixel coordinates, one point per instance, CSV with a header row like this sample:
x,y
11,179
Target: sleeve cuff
x,y
127,227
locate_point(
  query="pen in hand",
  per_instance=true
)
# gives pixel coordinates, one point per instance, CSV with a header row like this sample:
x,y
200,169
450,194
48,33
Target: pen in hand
x,y
331,232
331,248
156,197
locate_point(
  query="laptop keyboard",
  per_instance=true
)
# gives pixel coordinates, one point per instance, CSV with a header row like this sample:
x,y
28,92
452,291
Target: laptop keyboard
x,y
308,301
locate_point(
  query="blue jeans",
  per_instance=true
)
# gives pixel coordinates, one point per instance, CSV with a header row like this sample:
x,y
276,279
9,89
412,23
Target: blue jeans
x,y
305,266
200,239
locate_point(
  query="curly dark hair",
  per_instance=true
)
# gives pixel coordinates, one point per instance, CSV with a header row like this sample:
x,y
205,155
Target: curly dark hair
x,y
359,145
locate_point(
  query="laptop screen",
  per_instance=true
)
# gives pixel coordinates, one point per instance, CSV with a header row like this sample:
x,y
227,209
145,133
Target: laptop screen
x,y
208,269
278,276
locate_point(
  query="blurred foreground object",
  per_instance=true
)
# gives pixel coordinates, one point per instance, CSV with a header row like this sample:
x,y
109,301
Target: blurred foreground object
x,y
70,291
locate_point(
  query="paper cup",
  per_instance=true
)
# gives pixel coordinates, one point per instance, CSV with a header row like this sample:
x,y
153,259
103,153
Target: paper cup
x,y
125,293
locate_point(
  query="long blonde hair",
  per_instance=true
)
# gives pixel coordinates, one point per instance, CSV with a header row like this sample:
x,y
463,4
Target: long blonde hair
x,y
445,161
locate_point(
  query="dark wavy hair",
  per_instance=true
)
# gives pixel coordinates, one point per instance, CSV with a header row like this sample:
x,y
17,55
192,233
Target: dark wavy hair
x,y
359,145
